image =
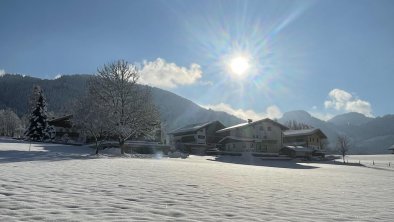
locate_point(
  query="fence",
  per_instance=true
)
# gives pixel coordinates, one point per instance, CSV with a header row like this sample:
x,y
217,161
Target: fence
x,y
373,163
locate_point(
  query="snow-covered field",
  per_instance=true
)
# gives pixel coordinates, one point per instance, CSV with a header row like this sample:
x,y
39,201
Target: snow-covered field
x,y
378,160
65,183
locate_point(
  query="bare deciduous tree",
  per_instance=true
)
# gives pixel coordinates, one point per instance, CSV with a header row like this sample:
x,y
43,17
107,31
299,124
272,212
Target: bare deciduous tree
x,y
91,119
294,125
343,145
130,109
10,124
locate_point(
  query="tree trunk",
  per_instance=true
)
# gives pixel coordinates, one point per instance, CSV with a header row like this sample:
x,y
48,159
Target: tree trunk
x,y
97,147
121,145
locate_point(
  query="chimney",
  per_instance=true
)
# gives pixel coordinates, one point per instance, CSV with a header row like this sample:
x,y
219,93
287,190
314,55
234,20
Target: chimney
x,y
250,120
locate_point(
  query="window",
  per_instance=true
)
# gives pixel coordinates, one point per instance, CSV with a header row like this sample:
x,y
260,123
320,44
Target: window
x,y
269,128
201,137
265,137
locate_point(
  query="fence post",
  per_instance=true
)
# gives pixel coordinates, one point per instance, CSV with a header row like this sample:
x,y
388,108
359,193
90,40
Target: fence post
x,y
373,162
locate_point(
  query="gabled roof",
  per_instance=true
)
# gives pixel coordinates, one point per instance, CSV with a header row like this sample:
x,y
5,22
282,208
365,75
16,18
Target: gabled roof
x,y
251,124
66,117
193,127
64,121
304,132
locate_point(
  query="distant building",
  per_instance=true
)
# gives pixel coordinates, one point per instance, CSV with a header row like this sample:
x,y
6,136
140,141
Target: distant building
x,y
392,149
263,136
64,130
196,138
311,138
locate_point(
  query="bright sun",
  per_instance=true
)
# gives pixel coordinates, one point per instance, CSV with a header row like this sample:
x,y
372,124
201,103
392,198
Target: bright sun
x,y
239,65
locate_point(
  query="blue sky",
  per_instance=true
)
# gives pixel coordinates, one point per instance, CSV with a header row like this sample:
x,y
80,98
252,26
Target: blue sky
x,y
326,57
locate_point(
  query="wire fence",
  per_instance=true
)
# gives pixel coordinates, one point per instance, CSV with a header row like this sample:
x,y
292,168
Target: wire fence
x,y
371,163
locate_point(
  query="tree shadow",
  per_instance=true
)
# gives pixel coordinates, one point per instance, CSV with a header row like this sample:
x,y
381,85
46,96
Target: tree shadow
x,y
256,161
11,140
46,152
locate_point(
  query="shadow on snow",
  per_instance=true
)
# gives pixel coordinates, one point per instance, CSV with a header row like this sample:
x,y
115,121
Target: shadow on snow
x,y
47,152
256,161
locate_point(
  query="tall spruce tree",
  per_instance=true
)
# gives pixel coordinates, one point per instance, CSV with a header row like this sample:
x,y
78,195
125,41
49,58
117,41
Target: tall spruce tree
x,y
37,130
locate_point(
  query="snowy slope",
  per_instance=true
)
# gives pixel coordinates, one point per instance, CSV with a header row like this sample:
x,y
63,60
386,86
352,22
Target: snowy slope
x,y
65,183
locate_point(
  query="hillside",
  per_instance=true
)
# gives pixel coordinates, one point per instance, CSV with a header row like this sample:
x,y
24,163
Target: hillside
x,y
175,111
347,119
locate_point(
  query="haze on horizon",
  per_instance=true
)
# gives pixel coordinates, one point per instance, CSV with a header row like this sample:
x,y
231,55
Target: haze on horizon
x,y
248,58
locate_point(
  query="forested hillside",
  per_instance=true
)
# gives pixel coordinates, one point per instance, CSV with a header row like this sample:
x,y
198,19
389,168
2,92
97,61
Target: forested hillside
x,y
175,111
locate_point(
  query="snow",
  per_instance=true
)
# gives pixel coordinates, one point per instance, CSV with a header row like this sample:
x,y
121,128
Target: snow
x,y
378,161
67,183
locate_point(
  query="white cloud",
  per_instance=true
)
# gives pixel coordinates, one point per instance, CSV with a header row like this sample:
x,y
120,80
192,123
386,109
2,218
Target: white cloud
x,y
344,101
271,112
2,72
168,75
206,83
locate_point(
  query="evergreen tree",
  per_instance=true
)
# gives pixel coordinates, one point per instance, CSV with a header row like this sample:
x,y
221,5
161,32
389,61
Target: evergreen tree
x,y
37,130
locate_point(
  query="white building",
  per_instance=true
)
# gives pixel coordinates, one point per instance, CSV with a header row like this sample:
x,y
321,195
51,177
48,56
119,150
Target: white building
x,y
263,136
196,138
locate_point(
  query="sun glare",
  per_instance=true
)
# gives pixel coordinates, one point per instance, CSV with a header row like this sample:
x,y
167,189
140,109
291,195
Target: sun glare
x,y
239,65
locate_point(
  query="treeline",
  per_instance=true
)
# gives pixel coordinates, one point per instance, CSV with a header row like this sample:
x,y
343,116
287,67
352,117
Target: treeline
x,y
10,124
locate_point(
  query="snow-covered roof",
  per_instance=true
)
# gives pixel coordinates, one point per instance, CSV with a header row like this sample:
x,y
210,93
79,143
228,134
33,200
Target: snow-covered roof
x,y
303,132
66,117
192,127
241,139
64,121
251,124
300,148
